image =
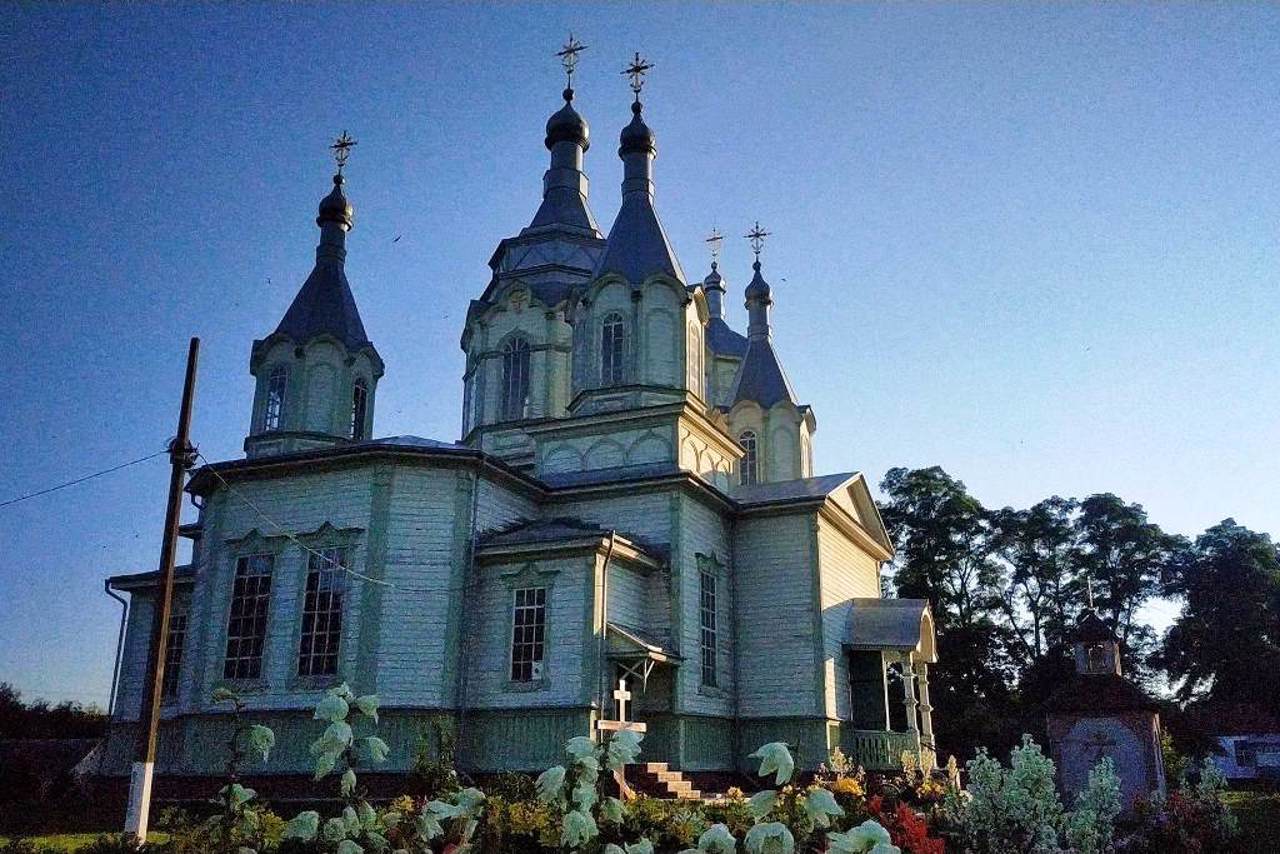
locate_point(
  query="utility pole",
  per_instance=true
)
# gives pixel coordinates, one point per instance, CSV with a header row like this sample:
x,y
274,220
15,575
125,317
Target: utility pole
x,y
181,457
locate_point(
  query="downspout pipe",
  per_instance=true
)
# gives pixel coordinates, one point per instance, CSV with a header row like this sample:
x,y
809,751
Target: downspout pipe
x,y
463,641
604,625
115,669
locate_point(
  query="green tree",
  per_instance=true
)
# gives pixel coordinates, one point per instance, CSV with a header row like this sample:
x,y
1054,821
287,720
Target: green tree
x,y
945,554
1225,644
1126,557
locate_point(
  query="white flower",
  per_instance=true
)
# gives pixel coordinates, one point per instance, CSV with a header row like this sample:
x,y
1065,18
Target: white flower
x,y
775,757
331,708
820,805
578,828
550,782
717,839
762,802
770,838
304,826
869,833
368,705
348,784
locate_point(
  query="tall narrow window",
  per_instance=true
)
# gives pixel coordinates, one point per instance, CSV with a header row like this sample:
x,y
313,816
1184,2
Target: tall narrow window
x,y
276,383
359,406
515,378
173,649
247,626
750,461
613,349
528,631
322,613
708,611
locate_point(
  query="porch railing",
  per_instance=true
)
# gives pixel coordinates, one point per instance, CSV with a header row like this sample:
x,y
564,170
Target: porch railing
x,y
878,750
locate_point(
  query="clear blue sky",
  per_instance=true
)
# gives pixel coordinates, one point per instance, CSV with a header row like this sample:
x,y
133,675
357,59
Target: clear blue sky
x,y
1033,244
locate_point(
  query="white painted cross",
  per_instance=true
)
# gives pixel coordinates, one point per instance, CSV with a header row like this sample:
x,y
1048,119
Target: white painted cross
x,y
622,695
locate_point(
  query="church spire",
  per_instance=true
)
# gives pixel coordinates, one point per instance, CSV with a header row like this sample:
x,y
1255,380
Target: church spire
x,y
638,246
759,294
310,392
565,185
713,284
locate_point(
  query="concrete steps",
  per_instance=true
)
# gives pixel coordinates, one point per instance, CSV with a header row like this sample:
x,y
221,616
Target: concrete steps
x,y
657,780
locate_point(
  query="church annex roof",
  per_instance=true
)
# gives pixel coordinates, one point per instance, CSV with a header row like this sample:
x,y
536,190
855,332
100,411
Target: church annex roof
x,y
723,340
1098,693
565,529
325,305
637,246
761,378
792,490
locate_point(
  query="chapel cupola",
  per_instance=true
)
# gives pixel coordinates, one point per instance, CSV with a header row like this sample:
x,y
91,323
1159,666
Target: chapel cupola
x,y
1096,649
637,247
317,372
773,427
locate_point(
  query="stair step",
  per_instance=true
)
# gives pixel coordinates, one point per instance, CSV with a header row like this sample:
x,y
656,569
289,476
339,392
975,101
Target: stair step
x,y
655,767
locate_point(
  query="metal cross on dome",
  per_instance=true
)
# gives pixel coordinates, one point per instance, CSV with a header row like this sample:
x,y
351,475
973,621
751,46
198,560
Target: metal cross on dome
x,y
638,68
757,235
569,56
714,241
341,149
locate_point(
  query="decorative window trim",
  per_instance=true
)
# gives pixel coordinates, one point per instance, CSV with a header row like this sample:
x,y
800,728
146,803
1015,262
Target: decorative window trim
x,y
530,575
528,613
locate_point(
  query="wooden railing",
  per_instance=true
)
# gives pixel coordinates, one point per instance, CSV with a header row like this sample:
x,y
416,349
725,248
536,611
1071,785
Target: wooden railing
x,y
878,750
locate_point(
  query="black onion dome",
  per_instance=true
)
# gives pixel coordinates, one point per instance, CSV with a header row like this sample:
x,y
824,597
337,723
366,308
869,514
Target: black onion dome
x,y
636,136
713,279
759,288
566,125
335,207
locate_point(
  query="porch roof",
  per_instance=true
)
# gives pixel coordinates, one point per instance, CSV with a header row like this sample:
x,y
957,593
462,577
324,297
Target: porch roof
x,y
904,625
627,642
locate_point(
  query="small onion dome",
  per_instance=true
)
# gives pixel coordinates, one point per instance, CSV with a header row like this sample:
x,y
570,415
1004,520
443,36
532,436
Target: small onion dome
x,y
565,125
713,279
759,288
335,207
636,136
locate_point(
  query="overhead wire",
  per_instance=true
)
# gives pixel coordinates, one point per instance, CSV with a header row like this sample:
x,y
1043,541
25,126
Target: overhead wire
x,y
77,480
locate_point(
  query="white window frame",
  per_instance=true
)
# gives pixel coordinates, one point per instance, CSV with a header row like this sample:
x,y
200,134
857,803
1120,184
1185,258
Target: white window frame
x,y
536,640
359,407
709,627
328,566
613,349
273,403
749,468
515,378
174,648
249,567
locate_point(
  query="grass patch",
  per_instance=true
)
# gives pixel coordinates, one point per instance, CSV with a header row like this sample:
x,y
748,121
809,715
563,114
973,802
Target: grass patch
x,y
69,842
1258,813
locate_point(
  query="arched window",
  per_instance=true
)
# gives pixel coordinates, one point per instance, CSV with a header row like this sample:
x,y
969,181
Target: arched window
x,y
515,378
359,406
613,348
277,380
751,461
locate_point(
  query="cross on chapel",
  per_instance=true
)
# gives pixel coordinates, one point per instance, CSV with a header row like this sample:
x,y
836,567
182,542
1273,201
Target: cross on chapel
x,y
622,695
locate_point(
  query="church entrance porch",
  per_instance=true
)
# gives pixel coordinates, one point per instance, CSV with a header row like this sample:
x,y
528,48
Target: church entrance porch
x,y
648,671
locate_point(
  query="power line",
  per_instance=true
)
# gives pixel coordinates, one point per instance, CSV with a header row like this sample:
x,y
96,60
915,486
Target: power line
x,y
337,565
40,492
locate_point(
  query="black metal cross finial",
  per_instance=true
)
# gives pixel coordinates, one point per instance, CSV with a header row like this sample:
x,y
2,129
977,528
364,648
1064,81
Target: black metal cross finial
x,y
341,149
757,235
714,241
636,71
569,57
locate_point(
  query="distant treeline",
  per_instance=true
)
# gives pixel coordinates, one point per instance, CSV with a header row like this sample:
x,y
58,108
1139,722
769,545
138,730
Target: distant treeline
x,y
1007,586
39,719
